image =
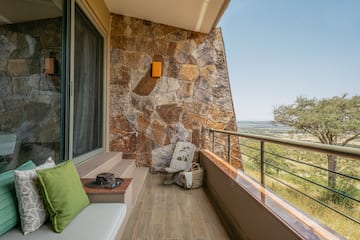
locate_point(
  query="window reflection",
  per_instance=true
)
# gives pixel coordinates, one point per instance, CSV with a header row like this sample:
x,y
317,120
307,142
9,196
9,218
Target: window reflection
x,y
30,81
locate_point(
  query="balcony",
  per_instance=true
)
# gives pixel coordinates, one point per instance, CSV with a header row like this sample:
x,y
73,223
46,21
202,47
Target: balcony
x,y
140,117
235,203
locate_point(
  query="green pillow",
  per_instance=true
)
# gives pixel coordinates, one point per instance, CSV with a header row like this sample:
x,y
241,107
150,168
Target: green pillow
x,y
9,215
63,194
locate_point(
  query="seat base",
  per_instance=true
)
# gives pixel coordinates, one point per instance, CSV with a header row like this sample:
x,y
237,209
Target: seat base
x,y
97,221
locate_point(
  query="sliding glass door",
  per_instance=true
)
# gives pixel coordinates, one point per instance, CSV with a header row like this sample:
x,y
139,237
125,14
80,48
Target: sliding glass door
x,y
88,88
51,83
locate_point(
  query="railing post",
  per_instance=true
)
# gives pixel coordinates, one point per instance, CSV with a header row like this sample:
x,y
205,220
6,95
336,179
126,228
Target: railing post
x,y
262,162
229,148
212,141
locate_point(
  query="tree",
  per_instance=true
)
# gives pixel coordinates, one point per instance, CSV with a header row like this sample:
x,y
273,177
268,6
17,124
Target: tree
x,y
334,121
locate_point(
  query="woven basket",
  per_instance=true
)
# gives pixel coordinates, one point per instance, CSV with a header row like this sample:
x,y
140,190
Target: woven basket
x,y
197,175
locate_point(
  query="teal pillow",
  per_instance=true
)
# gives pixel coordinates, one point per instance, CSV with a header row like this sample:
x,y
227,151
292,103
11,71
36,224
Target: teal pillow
x,y
9,215
63,194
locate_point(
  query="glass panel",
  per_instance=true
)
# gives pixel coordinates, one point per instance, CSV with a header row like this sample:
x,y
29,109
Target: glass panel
x,y
88,86
30,81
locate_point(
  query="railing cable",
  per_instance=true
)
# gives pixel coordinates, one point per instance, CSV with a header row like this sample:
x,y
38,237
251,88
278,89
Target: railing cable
x,y
314,199
315,183
312,165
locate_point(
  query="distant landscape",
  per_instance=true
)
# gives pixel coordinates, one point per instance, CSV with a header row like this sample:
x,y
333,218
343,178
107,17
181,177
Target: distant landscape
x,y
271,128
263,127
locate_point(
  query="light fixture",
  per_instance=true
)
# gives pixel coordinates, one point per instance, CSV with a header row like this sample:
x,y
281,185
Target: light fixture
x,y
49,65
156,69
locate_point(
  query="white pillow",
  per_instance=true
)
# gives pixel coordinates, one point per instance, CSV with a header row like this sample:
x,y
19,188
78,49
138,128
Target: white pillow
x,y
31,205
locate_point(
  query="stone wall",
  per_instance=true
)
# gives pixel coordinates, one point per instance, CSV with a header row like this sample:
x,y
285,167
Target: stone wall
x,y
149,115
29,98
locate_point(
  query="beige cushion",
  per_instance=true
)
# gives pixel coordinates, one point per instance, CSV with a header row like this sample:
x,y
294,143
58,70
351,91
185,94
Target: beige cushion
x,y
97,221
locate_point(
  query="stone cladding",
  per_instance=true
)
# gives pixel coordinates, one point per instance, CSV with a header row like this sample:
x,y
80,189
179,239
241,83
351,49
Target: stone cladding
x,y
149,115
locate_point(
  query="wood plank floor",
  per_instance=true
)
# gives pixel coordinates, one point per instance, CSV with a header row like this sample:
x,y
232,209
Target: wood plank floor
x,y
170,212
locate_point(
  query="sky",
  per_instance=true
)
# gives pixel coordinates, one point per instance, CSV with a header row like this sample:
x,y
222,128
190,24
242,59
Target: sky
x,y
278,50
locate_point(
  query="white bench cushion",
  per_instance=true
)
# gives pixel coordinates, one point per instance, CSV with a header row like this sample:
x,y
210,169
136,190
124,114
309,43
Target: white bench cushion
x,y
99,221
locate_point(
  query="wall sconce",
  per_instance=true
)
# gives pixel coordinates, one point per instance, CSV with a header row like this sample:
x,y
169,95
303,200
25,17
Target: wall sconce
x,y
156,69
49,65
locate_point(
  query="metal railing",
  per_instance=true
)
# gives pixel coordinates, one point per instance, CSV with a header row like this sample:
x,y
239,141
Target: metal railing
x,y
223,138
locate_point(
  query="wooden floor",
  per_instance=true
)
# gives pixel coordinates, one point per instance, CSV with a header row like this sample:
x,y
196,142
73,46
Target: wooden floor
x,y
169,212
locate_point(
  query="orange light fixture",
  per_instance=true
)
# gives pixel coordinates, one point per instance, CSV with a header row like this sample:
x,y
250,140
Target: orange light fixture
x,y
49,66
156,69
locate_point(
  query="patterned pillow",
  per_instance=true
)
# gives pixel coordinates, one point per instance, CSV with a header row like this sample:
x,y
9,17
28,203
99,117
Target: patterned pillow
x,y
182,157
31,205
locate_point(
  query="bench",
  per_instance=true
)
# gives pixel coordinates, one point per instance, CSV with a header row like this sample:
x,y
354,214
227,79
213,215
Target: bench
x,y
98,221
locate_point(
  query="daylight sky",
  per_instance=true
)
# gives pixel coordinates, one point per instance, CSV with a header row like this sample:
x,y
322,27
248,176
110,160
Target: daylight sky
x,y
279,49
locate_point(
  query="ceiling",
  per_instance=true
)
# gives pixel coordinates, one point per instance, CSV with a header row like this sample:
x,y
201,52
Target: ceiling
x,y
195,15
14,11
